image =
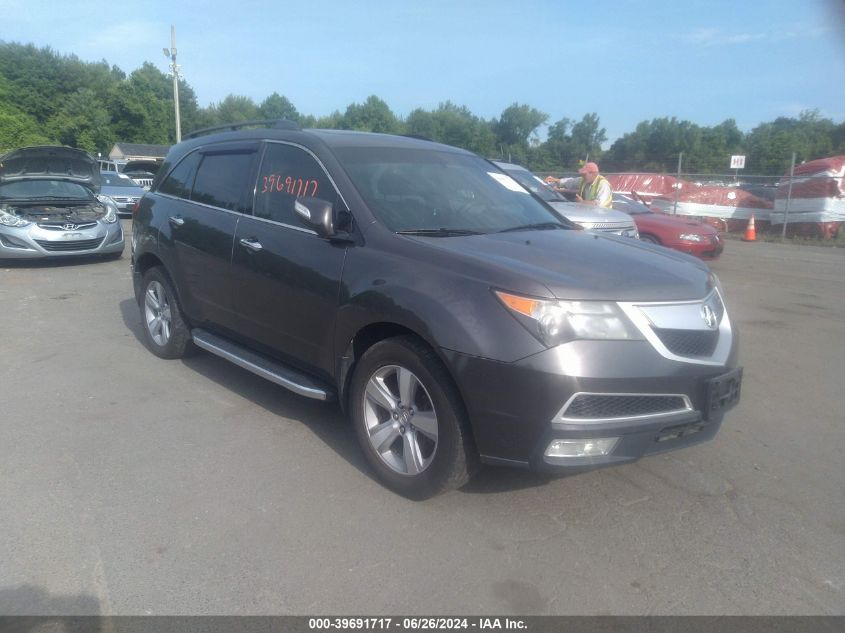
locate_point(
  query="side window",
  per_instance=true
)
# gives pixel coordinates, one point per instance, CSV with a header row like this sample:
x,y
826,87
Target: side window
x,y
178,182
224,180
288,173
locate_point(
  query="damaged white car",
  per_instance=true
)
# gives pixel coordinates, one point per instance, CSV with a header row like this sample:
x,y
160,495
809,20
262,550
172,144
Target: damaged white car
x,y
50,206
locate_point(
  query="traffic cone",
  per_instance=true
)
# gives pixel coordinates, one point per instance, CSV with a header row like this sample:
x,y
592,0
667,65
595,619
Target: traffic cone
x,y
750,231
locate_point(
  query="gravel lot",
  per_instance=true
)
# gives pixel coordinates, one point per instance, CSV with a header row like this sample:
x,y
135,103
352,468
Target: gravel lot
x,y
132,485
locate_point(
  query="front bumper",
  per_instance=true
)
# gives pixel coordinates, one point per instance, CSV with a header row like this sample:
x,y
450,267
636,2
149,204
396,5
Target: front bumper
x,y
710,249
518,409
35,242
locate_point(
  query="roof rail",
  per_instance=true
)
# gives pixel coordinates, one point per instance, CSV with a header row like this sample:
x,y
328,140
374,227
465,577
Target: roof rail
x,y
279,124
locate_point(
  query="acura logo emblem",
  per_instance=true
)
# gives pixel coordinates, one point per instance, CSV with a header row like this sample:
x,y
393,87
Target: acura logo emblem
x,y
69,227
708,316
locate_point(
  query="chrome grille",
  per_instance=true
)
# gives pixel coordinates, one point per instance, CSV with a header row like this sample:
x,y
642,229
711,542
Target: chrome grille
x,y
70,245
593,406
61,227
609,226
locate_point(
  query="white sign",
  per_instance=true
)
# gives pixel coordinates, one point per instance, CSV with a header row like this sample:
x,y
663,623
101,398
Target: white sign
x,y
737,162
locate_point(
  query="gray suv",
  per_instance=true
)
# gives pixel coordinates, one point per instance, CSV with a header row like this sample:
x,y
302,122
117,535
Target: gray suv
x,y
455,317
589,217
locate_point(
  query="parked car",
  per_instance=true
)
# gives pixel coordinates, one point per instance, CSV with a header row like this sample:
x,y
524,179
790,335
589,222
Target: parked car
x,y
587,216
682,233
122,189
50,207
141,171
455,317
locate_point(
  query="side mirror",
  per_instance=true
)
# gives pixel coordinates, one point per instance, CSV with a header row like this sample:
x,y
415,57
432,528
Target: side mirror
x,y
316,214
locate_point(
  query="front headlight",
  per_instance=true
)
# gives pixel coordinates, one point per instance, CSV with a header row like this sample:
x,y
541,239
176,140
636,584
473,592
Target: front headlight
x,y
7,219
692,237
555,322
111,209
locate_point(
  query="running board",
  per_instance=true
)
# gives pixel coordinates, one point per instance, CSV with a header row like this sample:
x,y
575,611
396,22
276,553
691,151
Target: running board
x,y
273,371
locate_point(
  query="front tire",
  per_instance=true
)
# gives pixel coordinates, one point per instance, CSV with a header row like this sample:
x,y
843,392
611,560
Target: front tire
x,y
649,238
165,331
410,420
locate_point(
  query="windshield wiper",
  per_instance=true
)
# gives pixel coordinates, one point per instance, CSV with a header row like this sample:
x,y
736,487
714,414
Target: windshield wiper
x,y
56,198
536,226
441,232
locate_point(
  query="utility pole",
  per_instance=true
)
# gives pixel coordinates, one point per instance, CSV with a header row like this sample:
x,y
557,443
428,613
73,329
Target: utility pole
x,y
174,69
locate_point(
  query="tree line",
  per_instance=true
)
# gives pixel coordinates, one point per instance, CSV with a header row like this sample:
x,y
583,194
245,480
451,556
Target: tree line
x,y
46,97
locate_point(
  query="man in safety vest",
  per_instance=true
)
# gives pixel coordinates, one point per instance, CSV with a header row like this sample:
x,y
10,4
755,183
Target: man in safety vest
x,y
593,188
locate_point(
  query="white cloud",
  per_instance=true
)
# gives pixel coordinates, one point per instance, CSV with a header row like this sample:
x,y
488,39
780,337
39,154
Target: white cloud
x,y
712,36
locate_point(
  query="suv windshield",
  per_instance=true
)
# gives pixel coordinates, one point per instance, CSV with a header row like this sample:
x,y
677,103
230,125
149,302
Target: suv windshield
x,y
534,184
44,189
114,180
441,193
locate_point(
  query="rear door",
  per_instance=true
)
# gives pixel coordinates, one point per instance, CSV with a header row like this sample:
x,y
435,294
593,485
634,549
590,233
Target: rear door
x,y
212,188
286,278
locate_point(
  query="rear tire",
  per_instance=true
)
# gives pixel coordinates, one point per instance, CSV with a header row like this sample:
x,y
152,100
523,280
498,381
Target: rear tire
x,y
410,419
165,331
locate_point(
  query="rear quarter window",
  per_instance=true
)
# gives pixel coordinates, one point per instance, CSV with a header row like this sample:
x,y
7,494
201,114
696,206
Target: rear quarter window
x,y
180,180
224,180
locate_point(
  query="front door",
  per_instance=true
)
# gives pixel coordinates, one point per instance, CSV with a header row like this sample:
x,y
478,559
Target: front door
x,y
287,278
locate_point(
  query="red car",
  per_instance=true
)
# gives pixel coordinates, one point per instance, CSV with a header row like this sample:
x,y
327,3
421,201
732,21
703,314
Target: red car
x,y
680,232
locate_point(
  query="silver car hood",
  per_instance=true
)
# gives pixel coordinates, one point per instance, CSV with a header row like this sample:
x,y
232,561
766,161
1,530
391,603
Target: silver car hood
x,y
589,214
50,162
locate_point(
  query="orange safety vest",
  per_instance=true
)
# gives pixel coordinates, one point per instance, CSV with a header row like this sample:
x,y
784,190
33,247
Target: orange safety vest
x,y
593,189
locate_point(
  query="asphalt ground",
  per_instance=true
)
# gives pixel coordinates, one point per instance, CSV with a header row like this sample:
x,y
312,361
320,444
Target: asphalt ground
x,y
133,485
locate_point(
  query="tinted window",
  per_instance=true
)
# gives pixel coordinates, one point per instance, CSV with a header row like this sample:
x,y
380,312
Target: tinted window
x,y
178,182
288,173
223,180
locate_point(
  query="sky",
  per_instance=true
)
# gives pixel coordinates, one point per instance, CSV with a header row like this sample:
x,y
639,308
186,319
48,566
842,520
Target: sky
x,y
628,61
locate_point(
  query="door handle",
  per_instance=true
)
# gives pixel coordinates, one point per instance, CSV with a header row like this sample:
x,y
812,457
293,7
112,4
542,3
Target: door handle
x,y
251,244
175,220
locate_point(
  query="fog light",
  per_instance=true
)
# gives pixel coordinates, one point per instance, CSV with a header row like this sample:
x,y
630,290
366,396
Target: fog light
x,y
582,448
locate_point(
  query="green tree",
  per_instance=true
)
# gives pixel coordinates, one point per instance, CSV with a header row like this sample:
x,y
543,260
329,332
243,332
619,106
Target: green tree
x,y
236,108
278,107
373,115
770,145
517,123
83,122
587,138
453,125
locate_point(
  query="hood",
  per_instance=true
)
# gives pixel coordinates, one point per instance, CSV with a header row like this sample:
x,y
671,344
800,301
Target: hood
x,y
675,222
49,162
577,264
583,213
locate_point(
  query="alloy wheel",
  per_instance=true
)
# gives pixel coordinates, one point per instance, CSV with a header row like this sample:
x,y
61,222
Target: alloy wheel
x,y
401,422
157,313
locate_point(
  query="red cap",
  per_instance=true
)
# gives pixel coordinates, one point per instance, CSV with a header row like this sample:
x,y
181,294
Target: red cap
x,y
589,168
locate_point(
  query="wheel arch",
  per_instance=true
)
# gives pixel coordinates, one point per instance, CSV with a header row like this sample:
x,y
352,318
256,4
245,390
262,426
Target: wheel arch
x,y
369,335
